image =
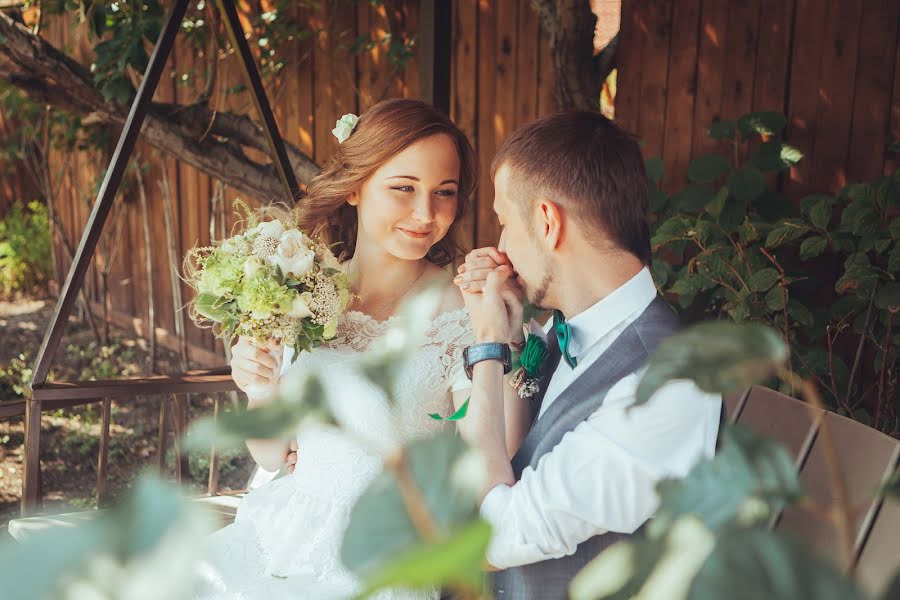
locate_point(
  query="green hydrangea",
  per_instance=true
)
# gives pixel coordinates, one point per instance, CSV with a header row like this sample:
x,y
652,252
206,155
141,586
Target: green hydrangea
x,y
222,273
261,295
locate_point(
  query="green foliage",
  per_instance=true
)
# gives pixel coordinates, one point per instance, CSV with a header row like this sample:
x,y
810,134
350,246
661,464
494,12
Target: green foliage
x,y
14,377
728,245
154,536
25,263
96,361
717,356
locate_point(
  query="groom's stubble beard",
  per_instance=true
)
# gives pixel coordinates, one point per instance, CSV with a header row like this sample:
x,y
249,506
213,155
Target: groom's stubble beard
x,y
536,298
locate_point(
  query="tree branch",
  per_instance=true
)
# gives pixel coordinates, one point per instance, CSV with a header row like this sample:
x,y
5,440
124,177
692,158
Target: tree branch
x,y
49,76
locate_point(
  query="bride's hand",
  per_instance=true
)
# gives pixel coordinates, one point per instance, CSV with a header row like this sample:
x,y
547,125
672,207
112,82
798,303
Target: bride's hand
x,y
252,365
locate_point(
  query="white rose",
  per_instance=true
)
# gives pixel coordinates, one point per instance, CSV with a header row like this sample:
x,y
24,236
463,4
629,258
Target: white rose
x,y
343,127
293,256
272,228
252,266
300,306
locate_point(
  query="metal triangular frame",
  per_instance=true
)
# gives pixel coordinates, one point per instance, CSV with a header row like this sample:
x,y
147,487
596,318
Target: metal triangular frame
x,y
39,391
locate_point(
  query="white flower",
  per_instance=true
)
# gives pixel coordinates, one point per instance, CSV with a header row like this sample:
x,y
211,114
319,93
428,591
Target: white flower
x,y
252,266
272,228
328,259
343,127
300,306
293,256
532,327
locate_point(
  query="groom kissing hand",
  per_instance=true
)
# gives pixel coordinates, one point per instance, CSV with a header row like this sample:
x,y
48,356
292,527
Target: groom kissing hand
x,y
572,199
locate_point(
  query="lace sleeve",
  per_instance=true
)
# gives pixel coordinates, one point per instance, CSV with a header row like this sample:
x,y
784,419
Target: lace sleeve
x,y
453,332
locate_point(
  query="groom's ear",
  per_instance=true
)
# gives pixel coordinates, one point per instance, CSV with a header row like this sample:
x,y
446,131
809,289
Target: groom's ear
x,y
550,223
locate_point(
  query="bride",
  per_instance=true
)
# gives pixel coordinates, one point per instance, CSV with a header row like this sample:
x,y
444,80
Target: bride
x,y
392,197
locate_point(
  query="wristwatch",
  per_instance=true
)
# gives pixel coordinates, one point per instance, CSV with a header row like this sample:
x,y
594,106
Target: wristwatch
x,y
489,351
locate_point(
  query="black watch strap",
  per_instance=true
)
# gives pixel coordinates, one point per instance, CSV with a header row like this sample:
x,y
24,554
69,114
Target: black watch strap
x,y
488,351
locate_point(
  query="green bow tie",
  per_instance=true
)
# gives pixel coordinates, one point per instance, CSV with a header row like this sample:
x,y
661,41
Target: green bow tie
x,y
564,336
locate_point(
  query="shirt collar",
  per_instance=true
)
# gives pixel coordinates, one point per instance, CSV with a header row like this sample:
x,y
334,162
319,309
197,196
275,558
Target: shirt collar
x,y
593,323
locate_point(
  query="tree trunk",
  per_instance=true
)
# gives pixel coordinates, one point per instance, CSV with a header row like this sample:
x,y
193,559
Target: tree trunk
x,y
210,141
579,75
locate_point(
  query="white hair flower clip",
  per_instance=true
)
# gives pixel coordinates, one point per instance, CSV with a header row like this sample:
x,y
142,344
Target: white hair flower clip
x,y
344,126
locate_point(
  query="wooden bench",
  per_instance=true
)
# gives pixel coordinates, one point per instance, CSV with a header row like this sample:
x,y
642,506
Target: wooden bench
x,y
867,457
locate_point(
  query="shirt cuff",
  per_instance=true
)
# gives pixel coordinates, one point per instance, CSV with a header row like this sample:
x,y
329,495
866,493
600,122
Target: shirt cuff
x,y
493,509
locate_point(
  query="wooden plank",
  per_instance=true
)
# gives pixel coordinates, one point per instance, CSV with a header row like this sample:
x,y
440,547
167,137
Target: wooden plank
x,y
195,381
335,75
103,452
161,434
464,92
806,60
32,468
772,55
741,42
486,228
628,60
892,160
528,38
654,73
836,86
411,84
714,20
375,68
682,93
212,484
869,132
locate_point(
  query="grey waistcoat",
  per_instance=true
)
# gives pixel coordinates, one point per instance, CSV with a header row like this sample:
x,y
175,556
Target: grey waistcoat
x,y
549,580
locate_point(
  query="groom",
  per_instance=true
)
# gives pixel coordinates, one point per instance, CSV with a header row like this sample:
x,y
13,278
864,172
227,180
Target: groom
x,y
571,196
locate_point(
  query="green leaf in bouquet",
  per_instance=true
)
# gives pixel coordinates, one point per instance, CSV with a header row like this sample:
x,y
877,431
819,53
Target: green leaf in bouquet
x,y
654,168
212,307
719,357
747,184
707,168
380,526
763,280
762,123
456,560
645,568
748,564
300,396
721,130
750,479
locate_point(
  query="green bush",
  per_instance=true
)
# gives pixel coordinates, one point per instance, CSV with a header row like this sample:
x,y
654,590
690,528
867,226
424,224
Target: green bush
x,y
24,249
822,271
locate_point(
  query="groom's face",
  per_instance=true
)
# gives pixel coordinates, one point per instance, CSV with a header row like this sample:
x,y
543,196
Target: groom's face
x,y
519,238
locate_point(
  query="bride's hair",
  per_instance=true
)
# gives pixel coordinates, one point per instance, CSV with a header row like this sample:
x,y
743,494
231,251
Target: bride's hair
x,y
383,131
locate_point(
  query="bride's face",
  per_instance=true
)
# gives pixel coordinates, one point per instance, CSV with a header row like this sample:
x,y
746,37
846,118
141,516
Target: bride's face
x,y
409,203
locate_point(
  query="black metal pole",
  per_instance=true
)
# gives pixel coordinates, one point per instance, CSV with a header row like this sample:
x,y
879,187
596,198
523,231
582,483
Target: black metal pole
x,y
251,75
107,193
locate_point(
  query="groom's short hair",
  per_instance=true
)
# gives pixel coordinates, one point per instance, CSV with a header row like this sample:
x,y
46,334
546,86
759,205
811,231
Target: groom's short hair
x,y
590,166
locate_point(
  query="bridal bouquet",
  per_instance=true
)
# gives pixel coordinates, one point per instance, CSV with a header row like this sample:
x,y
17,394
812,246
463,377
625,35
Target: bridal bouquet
x,y
270,282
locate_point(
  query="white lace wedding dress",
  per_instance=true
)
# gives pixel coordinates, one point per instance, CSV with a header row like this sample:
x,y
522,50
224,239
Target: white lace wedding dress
x,y
285,541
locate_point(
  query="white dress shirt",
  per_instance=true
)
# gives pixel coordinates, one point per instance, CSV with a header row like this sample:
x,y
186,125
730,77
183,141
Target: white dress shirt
x,y
601,476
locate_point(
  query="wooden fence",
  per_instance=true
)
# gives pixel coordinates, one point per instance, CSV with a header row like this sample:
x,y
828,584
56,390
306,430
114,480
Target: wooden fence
x,y
832,67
